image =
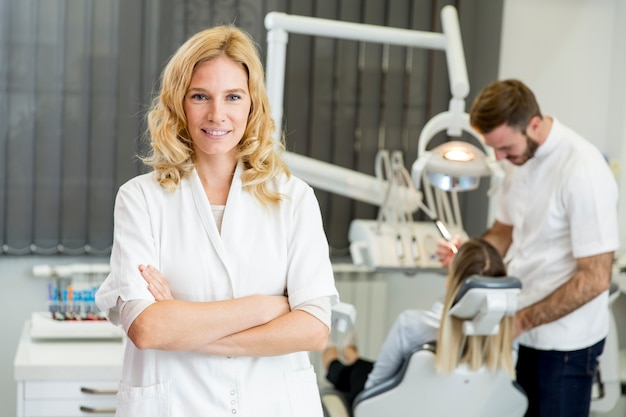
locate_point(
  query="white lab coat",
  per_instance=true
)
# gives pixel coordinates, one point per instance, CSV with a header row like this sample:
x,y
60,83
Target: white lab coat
x,y
261,250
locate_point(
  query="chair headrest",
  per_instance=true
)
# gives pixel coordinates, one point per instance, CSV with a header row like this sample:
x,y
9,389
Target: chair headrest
x,y
484,301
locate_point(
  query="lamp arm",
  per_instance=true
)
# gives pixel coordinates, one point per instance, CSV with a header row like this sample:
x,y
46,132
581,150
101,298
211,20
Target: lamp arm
x,y
279,25
328,176
445,121
349,183
455,56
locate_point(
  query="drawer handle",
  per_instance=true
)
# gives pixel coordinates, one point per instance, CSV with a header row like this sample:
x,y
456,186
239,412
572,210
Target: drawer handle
x,y
86,390
94,410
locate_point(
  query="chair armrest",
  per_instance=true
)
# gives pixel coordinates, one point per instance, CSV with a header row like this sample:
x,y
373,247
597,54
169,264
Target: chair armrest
x,y
393,381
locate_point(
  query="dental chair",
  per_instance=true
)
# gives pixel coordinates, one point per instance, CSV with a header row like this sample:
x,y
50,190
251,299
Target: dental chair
x,y
419,390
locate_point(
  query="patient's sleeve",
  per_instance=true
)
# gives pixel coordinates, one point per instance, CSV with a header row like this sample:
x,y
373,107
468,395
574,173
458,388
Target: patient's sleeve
x,y
411,329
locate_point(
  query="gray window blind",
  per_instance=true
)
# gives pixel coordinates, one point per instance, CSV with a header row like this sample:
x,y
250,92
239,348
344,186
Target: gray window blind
x,y
76,77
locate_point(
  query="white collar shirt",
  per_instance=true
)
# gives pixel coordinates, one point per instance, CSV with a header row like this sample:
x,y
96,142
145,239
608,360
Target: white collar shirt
x,y
562,204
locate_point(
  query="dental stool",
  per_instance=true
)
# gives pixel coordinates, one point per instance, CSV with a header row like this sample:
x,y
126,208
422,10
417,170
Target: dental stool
x,y
419,390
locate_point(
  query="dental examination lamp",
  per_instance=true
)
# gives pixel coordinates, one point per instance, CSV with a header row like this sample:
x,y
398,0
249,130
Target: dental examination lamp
x,y
453,167
393,241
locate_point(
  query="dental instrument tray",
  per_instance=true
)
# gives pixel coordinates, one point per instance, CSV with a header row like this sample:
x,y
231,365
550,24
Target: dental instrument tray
x,y
44,326
72,310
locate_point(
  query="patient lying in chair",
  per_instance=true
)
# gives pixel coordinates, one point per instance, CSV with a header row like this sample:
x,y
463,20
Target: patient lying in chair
x,y
413,328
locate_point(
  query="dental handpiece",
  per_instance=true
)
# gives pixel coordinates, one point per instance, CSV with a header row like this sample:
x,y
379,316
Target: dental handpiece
x,y
443,230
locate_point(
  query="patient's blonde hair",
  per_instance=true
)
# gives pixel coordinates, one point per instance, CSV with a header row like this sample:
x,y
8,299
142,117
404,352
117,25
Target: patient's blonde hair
x,y
173,155
475,257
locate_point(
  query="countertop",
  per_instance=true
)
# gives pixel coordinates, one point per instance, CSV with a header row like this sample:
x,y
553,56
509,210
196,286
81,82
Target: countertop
x,y
67,359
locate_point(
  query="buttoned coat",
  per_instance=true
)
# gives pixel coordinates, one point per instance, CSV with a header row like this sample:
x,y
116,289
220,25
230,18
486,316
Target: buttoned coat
x,y
260,250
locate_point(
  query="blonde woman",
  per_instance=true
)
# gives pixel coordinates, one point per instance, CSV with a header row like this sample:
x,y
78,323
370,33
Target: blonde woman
x,y
416,327
231,247
475,257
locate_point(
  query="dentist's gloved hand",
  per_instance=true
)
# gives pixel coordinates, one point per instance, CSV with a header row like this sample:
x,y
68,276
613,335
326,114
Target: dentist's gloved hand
x,y
444,250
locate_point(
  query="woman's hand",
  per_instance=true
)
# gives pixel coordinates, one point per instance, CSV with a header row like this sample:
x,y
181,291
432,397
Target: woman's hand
x,y
268,307
157,284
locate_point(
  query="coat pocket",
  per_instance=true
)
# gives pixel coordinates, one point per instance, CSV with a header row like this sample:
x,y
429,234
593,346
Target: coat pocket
x,y
150,401
304,395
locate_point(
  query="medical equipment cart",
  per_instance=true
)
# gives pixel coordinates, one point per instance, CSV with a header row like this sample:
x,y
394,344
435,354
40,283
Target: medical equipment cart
x,y
67,377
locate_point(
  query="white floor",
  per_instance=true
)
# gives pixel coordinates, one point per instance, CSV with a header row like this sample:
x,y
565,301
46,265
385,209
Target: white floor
x,y
618,411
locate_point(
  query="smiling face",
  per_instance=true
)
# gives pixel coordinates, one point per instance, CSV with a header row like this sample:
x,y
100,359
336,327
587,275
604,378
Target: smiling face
x,y
512,144
217,105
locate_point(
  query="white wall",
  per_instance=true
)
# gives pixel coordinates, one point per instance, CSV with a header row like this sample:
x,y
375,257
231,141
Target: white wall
x,y
572,54
617,108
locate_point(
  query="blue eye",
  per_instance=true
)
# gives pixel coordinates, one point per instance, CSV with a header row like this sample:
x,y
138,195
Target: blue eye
x,y
198,96
234,97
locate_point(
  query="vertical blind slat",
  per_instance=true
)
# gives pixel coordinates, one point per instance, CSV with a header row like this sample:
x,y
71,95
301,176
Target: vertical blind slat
x,y
76,125
344,75
5,19
321,86
393,97
139,63
102,134
370,61
48,124
297,104
22,111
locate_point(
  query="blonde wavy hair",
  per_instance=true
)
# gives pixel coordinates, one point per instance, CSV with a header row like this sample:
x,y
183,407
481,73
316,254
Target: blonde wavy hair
x,y
475,257
172,156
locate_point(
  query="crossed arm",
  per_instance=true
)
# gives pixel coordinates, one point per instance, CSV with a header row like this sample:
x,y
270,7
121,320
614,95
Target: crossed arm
x,y
256,325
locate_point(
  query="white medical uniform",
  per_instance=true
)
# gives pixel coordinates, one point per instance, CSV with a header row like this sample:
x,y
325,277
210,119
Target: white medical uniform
x,y
261,250
562,204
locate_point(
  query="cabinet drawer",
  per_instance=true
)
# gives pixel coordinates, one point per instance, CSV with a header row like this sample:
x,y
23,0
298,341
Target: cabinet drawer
x,y
69,389
104,407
